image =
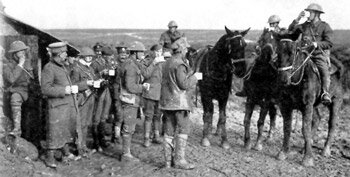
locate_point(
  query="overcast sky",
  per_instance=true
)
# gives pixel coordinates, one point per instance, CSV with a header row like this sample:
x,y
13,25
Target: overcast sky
x,y
155,14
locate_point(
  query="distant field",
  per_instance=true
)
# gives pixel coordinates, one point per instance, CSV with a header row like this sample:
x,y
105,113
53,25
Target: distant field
x,y
197,38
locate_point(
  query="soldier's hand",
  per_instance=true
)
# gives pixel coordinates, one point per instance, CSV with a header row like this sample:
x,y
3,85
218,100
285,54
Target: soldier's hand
x,y
68,90
301,15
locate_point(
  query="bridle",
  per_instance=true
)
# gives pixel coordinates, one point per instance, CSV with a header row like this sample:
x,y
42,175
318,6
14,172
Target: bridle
x,y
292,66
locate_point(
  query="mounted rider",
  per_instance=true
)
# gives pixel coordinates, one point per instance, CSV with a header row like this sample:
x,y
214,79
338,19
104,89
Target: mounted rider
x,y
318,34
170,36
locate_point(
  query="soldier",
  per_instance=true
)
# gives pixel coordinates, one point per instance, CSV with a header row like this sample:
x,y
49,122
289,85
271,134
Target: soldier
x,y
319,34
130,96
62,107
17,74
170,36
121,58
103,104
153,76
176,104
83,75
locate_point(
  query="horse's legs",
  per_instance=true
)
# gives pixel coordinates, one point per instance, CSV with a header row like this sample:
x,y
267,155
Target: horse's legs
x,y
249,108
316,118
208,108
272,113
222,122
307,121
263,112
332,124
286,112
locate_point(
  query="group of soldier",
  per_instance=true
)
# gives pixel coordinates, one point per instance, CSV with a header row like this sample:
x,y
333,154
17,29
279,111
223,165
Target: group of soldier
x,y
85,91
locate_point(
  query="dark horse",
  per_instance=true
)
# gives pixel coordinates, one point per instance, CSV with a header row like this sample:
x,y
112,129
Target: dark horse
x,y
300,89
217,65
261,90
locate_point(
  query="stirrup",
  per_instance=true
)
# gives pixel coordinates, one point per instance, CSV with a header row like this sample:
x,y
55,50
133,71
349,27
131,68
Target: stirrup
x,y
326,98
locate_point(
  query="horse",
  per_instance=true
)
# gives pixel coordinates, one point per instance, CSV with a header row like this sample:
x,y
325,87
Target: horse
x,y
217,66
260,87
300,89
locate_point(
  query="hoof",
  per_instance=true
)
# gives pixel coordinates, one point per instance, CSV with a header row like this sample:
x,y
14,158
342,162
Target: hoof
x,y
258,147
205,142
281,156
308,162
247,146
225,145
326,152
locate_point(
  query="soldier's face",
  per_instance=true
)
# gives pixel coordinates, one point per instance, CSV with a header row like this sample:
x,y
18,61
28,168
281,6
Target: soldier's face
x,y
88,59
312,16
273,25
140,55
172,29
20,54
159,52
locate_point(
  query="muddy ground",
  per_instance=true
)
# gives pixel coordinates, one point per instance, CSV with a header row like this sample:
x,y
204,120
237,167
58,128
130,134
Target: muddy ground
x,y
210,161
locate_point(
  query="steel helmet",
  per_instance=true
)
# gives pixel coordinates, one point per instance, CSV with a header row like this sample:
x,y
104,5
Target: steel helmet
x,y
87,51
172,23
137,46
314,7
274,19
17,46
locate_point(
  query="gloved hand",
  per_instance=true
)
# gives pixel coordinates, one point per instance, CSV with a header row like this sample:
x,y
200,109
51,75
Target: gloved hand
x,y
300,16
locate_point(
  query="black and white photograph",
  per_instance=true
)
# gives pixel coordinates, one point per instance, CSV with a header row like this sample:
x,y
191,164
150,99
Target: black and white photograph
x,y
185,88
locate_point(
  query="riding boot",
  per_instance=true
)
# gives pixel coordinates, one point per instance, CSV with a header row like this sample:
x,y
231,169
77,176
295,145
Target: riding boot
x,y
180,149
50,160
147,128
16,117
168,147
127,156
325,97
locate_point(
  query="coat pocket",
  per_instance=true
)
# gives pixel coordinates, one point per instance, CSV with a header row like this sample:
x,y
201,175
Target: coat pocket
x,y
127,97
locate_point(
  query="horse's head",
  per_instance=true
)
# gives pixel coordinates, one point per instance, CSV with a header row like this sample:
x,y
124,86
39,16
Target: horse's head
x,y
231,47
268,44
290,57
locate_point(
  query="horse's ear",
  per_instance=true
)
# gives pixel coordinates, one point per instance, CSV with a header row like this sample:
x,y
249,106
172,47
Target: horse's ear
x,y
228,31
243,33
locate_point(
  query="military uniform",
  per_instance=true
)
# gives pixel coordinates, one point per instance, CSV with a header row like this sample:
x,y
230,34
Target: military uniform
x,y
86,97
16,80
103,103
321,33
167,38
152,75
175,101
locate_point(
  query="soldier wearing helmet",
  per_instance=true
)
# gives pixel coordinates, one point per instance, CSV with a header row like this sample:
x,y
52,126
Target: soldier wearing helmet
x,y
170,36
318,35
177,82
17,75
130,96
83,75
57,86
122,56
